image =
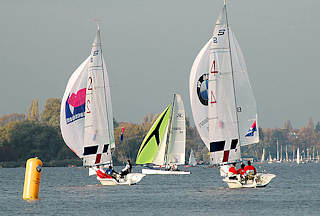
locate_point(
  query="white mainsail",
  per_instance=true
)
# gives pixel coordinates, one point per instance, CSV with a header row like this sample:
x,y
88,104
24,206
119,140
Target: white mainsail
x,y
192,159
221,97
98,131
72,110
177,133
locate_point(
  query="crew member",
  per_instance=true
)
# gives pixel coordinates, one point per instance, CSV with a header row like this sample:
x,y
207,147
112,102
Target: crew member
x,y
250,170
232,171
241,170
127,169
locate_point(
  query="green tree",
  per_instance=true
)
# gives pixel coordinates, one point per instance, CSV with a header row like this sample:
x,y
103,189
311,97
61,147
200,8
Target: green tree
x,y
33,111
317,128
51,112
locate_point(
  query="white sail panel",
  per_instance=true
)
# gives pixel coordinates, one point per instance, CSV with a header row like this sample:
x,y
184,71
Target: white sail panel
x,y
72,110
177,135
96,132
198,89
246,103
223,127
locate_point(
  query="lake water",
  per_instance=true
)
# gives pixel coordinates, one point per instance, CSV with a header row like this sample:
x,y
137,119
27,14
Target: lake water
x,y
69,191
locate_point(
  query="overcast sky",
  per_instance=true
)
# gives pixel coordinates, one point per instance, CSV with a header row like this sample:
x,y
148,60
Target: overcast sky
x,y
150,46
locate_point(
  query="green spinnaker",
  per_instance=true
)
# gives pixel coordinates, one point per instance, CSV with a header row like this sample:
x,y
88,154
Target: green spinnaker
x,y
150,143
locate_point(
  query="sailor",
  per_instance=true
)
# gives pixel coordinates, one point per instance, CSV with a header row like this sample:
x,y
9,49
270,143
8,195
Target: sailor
x,y
232,171
109,171
241,170
127,169
250,170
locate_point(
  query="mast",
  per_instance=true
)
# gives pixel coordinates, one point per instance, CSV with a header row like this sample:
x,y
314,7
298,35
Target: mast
x,y
234,91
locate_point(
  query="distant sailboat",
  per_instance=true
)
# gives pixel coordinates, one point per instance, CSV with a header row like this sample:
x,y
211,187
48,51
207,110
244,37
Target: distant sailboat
x,y
192,159
262,156
156,150
86,118
222,101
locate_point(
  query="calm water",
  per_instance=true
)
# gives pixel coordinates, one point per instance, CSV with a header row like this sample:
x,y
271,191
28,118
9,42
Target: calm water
x,y
69,191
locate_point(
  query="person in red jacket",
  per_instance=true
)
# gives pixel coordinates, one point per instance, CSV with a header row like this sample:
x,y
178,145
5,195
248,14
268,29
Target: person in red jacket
x,y
232,169
250,170
241,170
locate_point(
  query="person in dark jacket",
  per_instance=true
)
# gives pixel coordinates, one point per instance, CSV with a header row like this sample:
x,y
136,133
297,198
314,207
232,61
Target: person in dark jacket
x,y
127,169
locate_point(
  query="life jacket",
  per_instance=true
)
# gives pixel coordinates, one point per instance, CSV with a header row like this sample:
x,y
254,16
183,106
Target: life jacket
x,y
241,171
250,170
233,170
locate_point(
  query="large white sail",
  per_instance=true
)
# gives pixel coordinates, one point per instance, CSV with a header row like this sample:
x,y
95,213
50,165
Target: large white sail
x,y
98,131
72,111
177,135
222,112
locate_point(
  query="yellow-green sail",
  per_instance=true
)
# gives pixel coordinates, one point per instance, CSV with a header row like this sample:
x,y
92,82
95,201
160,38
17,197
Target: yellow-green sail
x,y
151,142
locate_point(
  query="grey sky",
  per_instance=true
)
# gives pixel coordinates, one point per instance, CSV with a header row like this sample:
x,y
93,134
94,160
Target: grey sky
x,y
150,45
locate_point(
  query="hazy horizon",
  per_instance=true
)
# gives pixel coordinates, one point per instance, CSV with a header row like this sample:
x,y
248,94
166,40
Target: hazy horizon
x,y
150,46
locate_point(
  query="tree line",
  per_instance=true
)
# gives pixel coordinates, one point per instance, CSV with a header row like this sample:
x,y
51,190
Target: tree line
x,y
38,134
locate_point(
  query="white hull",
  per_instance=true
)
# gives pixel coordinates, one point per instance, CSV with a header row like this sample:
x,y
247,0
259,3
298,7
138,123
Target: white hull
x,y
261,180
164,172
129,179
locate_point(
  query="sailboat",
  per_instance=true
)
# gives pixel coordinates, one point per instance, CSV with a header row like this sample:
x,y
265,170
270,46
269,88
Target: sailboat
x,y
86,118
192,159
156,150
298,156
263,156
222,101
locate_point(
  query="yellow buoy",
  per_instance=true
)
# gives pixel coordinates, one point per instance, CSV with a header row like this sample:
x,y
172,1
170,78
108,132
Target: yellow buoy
x,y
32,179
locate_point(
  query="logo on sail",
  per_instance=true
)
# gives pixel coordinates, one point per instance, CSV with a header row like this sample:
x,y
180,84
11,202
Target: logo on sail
x,y
252,129
202,89
75,106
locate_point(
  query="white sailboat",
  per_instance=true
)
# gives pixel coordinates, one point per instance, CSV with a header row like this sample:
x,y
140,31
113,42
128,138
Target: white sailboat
x,y
156,150
298,156
222,101
86,118
263,156
192,159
